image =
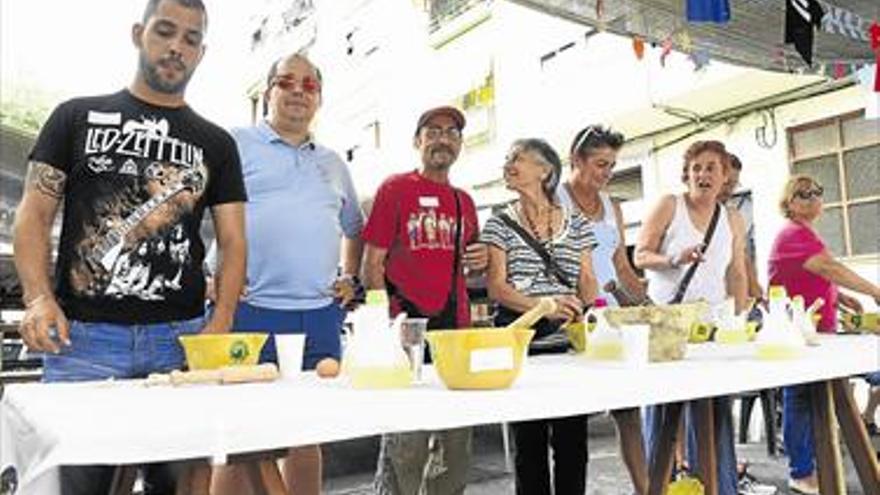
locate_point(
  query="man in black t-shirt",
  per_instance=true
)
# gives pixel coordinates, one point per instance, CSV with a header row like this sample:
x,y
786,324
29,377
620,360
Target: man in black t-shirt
x,y
135,171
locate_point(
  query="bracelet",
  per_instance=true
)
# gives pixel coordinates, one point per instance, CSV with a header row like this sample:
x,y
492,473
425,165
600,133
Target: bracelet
x,y
672,263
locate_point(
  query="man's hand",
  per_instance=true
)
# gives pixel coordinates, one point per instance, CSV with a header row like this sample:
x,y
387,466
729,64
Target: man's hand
x,y
44,327
476,256
348,291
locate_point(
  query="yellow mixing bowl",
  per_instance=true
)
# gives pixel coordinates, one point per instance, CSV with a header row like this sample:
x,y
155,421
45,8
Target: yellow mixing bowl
x,y
215,350
478,358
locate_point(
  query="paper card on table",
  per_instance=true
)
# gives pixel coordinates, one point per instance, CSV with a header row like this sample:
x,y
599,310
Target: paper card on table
x,y
492,359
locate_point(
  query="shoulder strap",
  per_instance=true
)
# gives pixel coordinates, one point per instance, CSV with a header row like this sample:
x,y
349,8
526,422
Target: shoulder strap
x,y
452,301
707,239
550,263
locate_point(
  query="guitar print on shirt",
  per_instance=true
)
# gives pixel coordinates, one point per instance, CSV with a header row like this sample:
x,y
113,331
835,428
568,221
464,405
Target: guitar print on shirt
x,y
135,245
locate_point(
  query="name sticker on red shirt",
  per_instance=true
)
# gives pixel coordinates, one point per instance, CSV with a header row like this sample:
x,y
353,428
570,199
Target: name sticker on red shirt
x,y
429,201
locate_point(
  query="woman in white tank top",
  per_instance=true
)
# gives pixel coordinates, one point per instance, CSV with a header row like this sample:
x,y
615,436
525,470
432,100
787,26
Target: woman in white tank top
x,y
670,240
593,157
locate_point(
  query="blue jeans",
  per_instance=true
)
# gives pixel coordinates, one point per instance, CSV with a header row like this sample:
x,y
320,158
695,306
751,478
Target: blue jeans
x,y
797,430
99,351
322,326
725,451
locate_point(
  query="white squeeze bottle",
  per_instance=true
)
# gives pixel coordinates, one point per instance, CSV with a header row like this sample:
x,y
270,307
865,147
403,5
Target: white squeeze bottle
x,y
803,321
606,341
779,338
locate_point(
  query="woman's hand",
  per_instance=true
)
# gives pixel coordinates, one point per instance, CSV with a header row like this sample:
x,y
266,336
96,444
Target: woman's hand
x,y
850,302
692,254
568,308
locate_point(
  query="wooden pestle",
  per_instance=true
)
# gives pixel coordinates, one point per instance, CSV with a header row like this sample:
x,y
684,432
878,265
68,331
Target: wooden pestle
x,y
545,306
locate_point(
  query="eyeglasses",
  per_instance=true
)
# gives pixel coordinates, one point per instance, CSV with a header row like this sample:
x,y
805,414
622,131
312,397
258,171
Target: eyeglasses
x,y
308,84
809,194
451,133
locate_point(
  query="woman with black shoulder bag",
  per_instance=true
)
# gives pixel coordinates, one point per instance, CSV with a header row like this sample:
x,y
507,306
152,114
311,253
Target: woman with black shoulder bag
x,y
538,248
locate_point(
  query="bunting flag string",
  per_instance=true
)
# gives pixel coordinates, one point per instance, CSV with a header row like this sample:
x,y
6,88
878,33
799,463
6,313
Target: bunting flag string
x,y
638,47
666,49
700,58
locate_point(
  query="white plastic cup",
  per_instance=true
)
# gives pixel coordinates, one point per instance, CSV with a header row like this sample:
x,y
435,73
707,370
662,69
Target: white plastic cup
x,y
289,348
636,342
412,338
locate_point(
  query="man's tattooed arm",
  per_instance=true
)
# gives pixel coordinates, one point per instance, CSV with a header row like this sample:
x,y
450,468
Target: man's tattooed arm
x,y
46,179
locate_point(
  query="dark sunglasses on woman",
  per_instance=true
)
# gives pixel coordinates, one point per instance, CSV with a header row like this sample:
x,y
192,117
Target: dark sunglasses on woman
x,y
810,193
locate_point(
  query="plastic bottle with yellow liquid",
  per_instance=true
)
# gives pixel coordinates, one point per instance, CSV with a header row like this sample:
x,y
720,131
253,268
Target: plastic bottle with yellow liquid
x,y
779,338
605,342
375,357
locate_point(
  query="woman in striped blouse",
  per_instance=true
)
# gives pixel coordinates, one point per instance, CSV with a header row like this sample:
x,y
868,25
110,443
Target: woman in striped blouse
x,y
517,276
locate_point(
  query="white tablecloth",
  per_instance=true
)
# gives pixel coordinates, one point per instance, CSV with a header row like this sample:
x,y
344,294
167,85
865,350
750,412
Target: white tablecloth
x,y
43,426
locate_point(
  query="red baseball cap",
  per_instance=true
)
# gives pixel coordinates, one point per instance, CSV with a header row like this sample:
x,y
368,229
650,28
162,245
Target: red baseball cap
x,y
452,112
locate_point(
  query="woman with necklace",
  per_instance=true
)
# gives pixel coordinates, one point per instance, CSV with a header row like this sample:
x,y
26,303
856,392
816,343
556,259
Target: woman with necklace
x,y
518,275
593,157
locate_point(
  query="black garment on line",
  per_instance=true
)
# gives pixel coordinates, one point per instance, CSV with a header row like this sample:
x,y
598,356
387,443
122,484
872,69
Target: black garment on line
x,y
801,17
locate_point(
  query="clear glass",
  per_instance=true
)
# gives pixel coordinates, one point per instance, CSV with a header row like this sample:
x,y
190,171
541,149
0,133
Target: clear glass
x,y
412,338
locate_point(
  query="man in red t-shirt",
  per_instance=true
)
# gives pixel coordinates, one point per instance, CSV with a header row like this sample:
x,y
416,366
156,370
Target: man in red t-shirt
x,y
419,237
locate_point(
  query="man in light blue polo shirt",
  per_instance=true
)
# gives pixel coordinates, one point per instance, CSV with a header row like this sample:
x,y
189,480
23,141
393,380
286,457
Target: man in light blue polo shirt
x,y
302,213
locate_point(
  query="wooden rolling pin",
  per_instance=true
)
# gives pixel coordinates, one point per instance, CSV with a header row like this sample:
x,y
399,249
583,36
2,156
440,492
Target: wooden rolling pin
x,y
545,306
230,374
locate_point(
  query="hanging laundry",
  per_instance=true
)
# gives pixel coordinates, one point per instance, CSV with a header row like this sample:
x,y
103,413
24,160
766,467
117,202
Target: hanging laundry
x,y
801,18
708,11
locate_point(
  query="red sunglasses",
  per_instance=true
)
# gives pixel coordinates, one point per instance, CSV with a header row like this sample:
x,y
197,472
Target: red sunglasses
x,y
308,84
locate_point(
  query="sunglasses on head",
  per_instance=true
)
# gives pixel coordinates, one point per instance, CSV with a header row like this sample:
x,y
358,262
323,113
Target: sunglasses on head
x,y
308,84
583,139
809,194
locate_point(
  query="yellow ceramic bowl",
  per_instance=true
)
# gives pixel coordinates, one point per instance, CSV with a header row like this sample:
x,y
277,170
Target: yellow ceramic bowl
x,y
215,350
479,358
578,334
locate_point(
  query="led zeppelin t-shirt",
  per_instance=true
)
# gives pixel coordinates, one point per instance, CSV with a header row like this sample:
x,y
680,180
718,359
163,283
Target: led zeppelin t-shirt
x,y
138,179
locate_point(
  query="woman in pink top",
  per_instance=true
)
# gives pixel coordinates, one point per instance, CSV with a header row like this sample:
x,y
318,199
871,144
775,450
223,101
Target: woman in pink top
x,y
800,262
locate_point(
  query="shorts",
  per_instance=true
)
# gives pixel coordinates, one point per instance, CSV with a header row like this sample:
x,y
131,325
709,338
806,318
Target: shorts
x,y
322,327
